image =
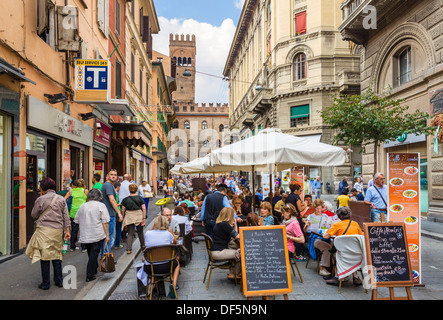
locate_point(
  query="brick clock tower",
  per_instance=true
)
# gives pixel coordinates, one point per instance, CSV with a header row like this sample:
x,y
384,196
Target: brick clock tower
x,y
182,50
204,123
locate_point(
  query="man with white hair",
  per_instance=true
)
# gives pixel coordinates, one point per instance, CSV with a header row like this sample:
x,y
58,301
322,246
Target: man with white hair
x,y
377,197
124,187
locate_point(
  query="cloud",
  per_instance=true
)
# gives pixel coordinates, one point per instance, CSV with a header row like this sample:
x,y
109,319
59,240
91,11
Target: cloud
x,y
213,45
239,4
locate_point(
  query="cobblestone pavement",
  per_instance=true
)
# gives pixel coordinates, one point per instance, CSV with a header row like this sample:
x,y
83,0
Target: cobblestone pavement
x,y
191,286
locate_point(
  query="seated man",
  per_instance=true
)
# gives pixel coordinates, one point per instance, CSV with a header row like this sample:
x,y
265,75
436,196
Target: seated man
x,y
178,218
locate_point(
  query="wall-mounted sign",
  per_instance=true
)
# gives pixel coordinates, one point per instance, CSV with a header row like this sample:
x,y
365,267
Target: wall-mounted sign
x,y
44,117
92,80
102,133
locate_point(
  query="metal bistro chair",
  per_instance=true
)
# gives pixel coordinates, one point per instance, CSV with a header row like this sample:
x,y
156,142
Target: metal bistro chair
x,y
318,254
160,254
213,264
294,263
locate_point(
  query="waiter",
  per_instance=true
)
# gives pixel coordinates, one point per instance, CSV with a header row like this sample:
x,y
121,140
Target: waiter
x,y
212,205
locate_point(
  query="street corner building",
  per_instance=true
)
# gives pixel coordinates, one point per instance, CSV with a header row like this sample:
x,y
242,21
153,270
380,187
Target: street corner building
x,y
71,103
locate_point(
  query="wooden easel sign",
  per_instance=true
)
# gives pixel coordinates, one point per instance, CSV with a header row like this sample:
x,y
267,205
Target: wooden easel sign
x,y
265,261
387,254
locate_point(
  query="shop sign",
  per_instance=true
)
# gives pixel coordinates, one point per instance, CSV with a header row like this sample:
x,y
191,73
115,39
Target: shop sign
x,y
405,139
102,133
43,117
404,202
92,79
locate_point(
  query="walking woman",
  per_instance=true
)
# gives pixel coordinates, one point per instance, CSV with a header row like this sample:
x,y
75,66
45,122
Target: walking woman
x,y
79,195
134,212
93,219
51,212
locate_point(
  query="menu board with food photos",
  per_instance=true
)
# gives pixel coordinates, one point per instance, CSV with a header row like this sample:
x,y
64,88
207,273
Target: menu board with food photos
x,y
404,202
297,177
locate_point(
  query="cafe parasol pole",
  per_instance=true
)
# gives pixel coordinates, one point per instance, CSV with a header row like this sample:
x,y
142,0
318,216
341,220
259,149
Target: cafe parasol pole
x,y
253,189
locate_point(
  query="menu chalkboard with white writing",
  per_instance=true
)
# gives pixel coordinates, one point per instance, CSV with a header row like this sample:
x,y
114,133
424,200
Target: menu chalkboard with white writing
x,y
388,253
265,261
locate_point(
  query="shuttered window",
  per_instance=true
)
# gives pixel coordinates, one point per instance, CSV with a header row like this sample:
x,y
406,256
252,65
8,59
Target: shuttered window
x,y
299,116
300,23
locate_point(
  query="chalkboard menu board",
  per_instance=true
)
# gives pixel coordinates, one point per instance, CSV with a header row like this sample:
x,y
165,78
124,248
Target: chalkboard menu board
x,y
265,261
388,254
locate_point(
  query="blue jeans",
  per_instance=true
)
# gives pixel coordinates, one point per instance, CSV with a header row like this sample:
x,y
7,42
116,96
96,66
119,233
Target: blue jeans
x,y
376,215
111,236
146,205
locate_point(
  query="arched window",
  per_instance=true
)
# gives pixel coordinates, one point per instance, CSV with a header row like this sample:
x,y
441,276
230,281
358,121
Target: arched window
x,y
204,125
187,125
179,62
299,66
185,61
189,61
175,125
221,128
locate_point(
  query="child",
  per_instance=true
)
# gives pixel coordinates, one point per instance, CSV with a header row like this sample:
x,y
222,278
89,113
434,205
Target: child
x,y
343,199
266,213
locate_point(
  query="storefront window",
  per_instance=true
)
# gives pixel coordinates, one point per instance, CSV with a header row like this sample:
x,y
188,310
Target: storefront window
x,y
424,185
4,182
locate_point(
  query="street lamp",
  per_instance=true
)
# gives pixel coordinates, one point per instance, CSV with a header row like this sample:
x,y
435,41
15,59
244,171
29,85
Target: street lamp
x,y
261,88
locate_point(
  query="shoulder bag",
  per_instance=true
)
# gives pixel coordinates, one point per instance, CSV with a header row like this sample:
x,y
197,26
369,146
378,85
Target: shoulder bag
x,y
333,249
45,212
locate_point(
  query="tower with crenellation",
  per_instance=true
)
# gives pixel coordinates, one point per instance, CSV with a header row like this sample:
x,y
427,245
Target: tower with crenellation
x,y
196,119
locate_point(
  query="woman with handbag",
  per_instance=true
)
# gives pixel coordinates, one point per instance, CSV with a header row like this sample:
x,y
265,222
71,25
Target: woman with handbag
x,y
134,211
146,193
51,212
93,220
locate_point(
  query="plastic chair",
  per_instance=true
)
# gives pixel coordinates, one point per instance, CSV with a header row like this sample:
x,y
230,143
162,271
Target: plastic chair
x,y
160,254
350,256
318,254
214,264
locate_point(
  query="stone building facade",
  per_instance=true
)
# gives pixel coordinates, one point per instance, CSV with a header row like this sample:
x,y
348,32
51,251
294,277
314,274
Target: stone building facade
x,y
405,53
286,60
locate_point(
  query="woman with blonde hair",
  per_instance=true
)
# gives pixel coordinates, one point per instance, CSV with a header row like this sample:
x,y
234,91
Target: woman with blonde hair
x,y
223,233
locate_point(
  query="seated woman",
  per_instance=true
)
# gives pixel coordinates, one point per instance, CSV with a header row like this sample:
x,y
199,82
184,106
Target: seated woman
x,y
293,231
317,222
339,228
179,217
266,213
160,235
223,233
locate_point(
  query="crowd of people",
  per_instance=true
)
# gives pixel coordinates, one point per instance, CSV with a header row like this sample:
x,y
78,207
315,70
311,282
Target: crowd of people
x,y
100,218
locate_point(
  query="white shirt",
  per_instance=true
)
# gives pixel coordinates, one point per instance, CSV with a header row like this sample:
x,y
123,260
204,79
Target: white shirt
x,y
124,190
90,216
176,220
141,188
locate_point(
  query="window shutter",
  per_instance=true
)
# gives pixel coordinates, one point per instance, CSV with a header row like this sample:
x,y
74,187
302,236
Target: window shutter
x,y
101,14
145,31
300,20
42,21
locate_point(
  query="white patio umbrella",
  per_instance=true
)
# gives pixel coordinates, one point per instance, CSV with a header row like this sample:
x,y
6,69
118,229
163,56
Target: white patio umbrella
x,y
271,146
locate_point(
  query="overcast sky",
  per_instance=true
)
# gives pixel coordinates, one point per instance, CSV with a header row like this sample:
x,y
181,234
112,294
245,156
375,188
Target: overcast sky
x,y
213,22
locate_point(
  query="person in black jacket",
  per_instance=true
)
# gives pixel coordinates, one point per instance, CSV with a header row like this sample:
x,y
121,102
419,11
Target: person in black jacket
x,y
212,205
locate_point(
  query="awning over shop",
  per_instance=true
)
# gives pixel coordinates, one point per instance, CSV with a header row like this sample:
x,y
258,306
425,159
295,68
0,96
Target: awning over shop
x,y
6,68
132,134
120,107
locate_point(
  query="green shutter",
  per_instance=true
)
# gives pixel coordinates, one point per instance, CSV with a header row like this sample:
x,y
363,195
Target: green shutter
x,y
300,112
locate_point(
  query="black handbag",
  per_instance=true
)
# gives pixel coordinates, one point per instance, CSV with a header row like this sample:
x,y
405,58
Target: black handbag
x,y
334,249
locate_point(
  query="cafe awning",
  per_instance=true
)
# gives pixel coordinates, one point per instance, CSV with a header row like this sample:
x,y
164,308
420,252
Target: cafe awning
x,y
132,134
7,68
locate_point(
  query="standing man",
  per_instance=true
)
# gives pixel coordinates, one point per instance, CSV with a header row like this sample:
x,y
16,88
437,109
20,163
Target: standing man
x,y
124,187
317,187
377,198
96,181
343,186
212,205
109,199
307,186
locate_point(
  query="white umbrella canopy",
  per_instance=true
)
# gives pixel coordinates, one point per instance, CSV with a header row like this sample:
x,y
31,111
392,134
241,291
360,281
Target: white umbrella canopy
x,y
198,165
271,146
